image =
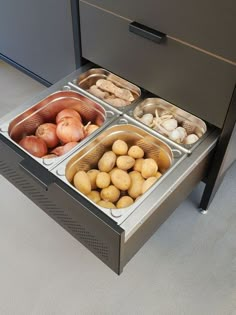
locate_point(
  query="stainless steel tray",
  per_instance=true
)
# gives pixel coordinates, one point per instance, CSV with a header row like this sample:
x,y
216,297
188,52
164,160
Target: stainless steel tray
x,y
89,78
46,110
157,107
86,158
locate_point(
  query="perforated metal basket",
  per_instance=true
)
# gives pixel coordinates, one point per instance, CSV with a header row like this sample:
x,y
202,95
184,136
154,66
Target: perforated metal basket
x,y
90,77
46,110
88,156
191,123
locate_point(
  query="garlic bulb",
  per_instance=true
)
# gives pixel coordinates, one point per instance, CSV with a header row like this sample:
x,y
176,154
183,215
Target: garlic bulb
x,y
182,133
162,130
191,139
175,135
170,124
147,119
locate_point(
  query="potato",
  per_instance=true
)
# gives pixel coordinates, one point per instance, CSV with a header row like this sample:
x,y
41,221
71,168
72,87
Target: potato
x,y
135,175
111,193
103,180
136,152
149,168
92,174
125,162
106,204
94,196
164,161
138,165
148,183
124,202
120,179
90,129
115,168
120,147
137,181
158,175
107,162
82,182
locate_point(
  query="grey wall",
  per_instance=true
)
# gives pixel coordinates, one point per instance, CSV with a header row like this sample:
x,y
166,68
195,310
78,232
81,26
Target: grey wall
x,y
38,35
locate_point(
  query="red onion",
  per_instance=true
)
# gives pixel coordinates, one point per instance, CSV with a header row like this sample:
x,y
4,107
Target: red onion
x,y
64,148
47,132
68,112
34,146
70,130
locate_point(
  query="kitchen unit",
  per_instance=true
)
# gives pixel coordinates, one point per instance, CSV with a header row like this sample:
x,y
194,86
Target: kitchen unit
x,y
165,61
33,37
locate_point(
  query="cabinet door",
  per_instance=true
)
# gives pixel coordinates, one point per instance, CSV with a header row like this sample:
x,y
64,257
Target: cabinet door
x,y
209,24
38,36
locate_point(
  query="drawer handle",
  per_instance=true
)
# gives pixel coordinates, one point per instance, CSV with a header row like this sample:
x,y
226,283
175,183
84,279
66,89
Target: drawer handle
x,y
146,32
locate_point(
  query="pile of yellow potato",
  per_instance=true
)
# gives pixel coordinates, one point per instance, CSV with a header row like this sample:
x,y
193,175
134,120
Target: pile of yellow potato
x,y
122,175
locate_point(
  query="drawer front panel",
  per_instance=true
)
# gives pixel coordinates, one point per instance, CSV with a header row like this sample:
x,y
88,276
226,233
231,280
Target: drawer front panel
x,y
10,168
73,212
182,75
209,25
102,237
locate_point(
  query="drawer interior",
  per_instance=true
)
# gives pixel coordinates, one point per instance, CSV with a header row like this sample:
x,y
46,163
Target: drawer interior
x,y
148,103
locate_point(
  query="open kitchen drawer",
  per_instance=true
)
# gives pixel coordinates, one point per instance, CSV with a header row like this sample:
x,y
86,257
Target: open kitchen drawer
x,y
115,243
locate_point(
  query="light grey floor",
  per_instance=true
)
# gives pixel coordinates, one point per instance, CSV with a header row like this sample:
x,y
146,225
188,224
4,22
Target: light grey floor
x,y
187,267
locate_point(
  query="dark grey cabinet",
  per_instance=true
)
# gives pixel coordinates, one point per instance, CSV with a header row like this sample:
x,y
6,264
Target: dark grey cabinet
x,y
209,25
38,36
191,79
